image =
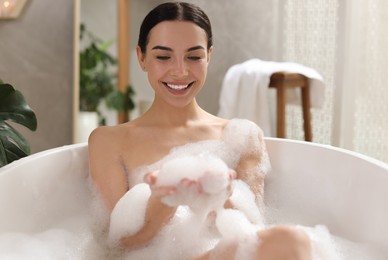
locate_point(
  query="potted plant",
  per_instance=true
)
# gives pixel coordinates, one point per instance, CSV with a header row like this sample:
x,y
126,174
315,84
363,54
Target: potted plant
x,y
13,107
97,83
96,76
122,102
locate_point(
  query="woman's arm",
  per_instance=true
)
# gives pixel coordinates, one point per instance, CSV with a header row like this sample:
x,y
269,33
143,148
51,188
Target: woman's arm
x,y
249,172
248,189
156,216
106,166
253,166
107,170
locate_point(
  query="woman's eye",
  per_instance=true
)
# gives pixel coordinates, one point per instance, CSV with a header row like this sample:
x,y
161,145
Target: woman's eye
x,y
161,57
194,58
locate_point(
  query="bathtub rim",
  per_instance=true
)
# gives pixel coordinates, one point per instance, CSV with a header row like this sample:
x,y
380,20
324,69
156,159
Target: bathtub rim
x,y
270,141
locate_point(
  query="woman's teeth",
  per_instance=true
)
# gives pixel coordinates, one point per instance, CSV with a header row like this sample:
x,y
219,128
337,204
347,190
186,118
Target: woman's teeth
x,y
177,87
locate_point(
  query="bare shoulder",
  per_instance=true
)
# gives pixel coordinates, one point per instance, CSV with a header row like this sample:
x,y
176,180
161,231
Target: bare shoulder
x,y
102,146
247,125
215,120
112,144
104,135
105,144
214,123
109,136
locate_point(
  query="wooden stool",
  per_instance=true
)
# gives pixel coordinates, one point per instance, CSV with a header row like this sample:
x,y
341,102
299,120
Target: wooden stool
x,y
281,81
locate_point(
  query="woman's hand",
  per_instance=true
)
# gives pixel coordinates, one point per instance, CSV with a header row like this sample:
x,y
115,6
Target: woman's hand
x,y
208,191
158,191
181,194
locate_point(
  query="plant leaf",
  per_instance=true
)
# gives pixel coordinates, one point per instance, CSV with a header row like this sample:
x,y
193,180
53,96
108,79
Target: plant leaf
x,y
8,135
3,156
14,107
13,145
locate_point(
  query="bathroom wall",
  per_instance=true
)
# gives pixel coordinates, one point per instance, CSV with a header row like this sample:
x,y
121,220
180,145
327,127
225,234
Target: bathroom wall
x,y
36,57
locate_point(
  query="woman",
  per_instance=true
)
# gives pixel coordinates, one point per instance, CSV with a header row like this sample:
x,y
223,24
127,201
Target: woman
x,y
174,49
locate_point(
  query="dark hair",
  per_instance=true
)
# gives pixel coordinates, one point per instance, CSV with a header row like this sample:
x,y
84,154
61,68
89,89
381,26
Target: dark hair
x,y
174,11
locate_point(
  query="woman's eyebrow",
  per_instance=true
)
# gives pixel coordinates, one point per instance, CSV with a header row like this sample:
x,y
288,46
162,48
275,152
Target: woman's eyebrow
x,y
158,47
164,48
198,47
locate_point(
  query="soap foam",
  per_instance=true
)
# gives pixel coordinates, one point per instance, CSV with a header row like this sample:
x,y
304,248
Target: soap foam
x,y
127,217
191,231
207,182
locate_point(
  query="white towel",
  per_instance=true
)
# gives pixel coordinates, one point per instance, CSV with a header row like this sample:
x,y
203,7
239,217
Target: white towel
x,y
244,92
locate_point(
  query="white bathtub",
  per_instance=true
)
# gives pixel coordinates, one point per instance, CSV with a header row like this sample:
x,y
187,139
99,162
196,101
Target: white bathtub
x,y
310,184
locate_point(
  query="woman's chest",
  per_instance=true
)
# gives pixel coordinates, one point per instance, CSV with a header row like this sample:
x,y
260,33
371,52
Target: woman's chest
x,y
148,147
212,148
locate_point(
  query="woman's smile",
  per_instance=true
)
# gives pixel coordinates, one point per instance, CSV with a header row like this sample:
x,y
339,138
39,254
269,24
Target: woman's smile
x,y
178,88
176,61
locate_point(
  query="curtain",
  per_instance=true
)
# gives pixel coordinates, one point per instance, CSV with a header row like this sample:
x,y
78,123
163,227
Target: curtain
x,y
365,79
346,42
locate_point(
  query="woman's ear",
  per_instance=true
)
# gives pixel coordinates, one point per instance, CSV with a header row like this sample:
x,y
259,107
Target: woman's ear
x,y
209,53
140,58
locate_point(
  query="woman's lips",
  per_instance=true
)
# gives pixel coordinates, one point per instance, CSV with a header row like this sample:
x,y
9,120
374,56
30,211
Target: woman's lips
x,y
177,88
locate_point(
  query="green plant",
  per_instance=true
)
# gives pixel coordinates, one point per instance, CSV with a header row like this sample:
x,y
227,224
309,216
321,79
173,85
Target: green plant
x,y
14,108
96,79
121,102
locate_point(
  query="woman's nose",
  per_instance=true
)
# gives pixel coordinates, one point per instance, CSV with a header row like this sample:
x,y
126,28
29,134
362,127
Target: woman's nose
x,y
179,68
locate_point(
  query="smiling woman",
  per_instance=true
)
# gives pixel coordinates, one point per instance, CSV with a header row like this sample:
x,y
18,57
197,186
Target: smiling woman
x,y
174,49
174,65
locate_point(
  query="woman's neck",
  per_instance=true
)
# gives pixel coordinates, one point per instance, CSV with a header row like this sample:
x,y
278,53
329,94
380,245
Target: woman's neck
x,y
164,114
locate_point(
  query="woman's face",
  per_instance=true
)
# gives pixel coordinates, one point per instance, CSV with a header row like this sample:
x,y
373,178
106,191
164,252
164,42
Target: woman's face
x,y
176,61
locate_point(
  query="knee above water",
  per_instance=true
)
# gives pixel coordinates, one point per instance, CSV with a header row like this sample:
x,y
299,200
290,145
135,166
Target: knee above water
x,y
287,241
